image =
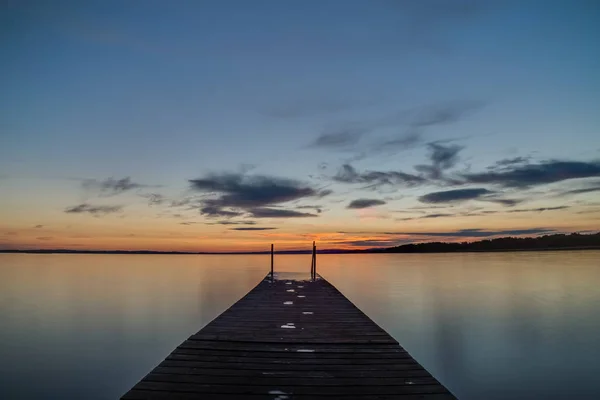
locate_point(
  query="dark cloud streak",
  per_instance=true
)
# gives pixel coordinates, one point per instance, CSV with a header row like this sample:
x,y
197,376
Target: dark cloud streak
x,y
238,194
528,175
255,228
364,203
265,212
348,174
443,157
111,186
94,210
457,195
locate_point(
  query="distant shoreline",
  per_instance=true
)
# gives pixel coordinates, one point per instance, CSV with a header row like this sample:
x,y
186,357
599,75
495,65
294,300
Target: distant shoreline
x,y
290,252
556,242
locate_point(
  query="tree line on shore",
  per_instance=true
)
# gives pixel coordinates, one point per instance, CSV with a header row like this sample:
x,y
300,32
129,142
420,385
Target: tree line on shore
x,y
545,242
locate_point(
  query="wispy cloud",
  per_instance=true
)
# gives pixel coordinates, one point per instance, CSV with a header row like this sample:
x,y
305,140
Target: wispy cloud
x,y
231,223
38,226
317,209
509,162
475,232
254,228
365,203
237,194
403,141
484,213
154,199
589,189
461,233
443,157
428,216
504,201
212,208
345,138
265,212
112,186
528,175
443,114
539,209
85,208
411,123
348,174
458,195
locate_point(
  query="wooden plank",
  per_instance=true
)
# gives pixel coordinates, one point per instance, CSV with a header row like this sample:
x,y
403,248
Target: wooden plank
x,y
309,373
291,367
296,389
317,360
277,347
274,344
138,394
291,355
277,380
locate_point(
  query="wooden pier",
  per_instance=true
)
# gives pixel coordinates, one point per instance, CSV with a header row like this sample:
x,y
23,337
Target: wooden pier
x,y
290,339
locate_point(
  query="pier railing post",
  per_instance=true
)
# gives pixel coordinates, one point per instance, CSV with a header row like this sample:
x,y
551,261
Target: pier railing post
x,y
314,261
271,261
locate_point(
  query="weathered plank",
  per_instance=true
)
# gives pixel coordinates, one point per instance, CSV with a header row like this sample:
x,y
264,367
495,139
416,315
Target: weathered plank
x,y
290,339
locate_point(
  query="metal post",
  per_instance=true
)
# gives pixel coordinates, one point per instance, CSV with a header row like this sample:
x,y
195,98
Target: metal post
x,y
312,266
271,261
314,261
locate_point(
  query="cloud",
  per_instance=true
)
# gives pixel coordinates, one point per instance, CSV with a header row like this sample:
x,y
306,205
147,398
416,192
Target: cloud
x,y
265,212
528,175
540,209
111,186
154,199
442,158
414,122
324,192
185,201
439,215
38,226
475,232
94,210
401,142
457,195
347,174
255,228
237,194
216,210
376,243
45,238
483,213
483,233
231,223
443,114
428,216
343,138
507,162
581,191
365,203
318,209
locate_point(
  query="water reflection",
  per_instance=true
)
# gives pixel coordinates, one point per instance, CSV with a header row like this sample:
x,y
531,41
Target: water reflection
x,y
493,326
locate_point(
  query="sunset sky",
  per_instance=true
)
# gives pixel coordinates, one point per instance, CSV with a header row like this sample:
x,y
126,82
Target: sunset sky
x,y
230,125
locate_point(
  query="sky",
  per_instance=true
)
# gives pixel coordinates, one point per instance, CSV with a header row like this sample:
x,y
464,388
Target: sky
x,y
229,125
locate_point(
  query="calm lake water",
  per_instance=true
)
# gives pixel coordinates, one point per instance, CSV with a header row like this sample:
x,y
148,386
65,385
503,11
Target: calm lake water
x,y
488,326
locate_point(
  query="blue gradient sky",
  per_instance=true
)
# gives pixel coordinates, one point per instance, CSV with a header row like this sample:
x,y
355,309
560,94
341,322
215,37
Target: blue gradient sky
x,y
164,93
